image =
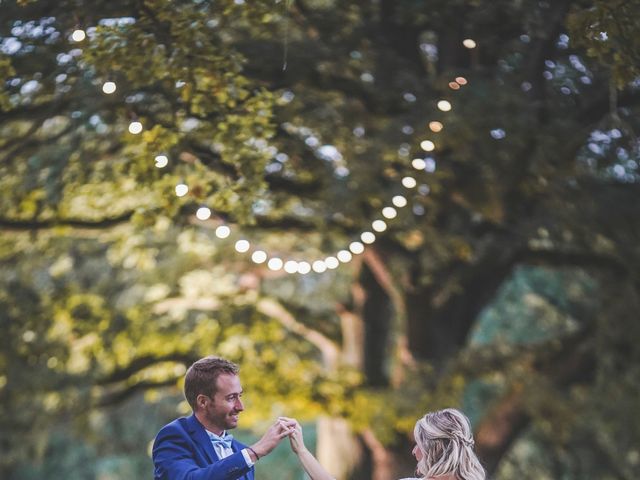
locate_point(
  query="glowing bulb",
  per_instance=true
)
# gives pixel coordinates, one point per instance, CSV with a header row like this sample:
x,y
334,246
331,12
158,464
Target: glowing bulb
x,y
203,213
418,163
259,256
427,145
461,80
242,246
223,231
304,268
161,161
389,212
444,105
78,35
274,264
109,87
368,237
454,86
344,256
409,182
181,190
331,262
135,127
291,266
319,266
356,247
379,225
435,126
399,201
469,43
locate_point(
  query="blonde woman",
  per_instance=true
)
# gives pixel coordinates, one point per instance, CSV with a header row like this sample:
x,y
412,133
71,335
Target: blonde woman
x,y
444,449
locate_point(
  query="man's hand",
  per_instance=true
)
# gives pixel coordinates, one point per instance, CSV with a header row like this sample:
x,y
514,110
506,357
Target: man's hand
x,y
282,427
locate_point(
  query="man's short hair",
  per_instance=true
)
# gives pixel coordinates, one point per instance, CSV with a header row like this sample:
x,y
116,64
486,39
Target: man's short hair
x,y
202,377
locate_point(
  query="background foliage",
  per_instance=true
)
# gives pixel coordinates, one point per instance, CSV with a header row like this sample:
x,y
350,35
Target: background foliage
x,y
508,286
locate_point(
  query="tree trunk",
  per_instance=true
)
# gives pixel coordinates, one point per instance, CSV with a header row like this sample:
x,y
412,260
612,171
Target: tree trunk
x,y
338,448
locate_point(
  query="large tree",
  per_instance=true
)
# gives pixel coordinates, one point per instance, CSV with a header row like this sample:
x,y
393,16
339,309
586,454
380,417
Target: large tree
x,y
507,284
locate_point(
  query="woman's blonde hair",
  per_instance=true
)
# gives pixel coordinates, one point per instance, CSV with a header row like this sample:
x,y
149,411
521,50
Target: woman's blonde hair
x,y
446,442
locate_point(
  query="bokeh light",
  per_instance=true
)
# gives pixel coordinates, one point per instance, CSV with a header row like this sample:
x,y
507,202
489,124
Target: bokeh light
x,y
135,127
242,246
181,190
399,201
427,145
368,237
223,231
203,213
469,43
444,105
356,247
78,35
109,87
274,264
435,126
389,212
259,256
409,182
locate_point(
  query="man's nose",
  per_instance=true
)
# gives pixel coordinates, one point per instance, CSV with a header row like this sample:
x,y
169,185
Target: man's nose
x,y
239,405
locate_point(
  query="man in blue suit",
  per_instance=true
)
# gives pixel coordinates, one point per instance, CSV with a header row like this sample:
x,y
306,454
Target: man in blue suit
x,y
198,447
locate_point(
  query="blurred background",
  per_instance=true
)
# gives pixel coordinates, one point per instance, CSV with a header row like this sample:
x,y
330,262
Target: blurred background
x,y
377,208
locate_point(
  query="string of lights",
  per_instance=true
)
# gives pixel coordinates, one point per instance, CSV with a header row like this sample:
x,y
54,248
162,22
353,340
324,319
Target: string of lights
x,y
276,262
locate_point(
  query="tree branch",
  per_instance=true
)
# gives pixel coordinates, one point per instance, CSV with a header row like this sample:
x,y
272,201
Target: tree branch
x,y
328,348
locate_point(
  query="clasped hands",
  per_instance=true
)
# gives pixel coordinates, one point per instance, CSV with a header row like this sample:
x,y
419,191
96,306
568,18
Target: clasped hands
x,y
281,428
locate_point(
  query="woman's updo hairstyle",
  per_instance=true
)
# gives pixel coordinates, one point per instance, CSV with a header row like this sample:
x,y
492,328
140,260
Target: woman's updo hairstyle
x,y
446,442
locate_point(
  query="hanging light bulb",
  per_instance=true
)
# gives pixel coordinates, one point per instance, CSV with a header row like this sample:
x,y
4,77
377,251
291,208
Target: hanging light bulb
x,y
242,246
203,213
135,127
223,231
331,262
319,266
427,145
469,43
356,247
274,264
161,161
291,266
409,182
109,87
389,212
435,126
259,256
368,237
182,189
379,225
399,201
344,256
444,105
418,163
78,35
304,268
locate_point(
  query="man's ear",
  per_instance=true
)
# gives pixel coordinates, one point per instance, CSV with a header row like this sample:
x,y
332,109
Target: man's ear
x,y
201,401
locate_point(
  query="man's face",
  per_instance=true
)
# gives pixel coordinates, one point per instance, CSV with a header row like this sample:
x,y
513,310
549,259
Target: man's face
x,y
222,409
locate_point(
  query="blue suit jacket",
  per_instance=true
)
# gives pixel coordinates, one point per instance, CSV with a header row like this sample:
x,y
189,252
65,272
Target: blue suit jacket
x,y
182,450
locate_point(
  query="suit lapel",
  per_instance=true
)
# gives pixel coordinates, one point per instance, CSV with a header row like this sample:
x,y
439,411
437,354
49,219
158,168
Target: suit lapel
x,y
200,437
